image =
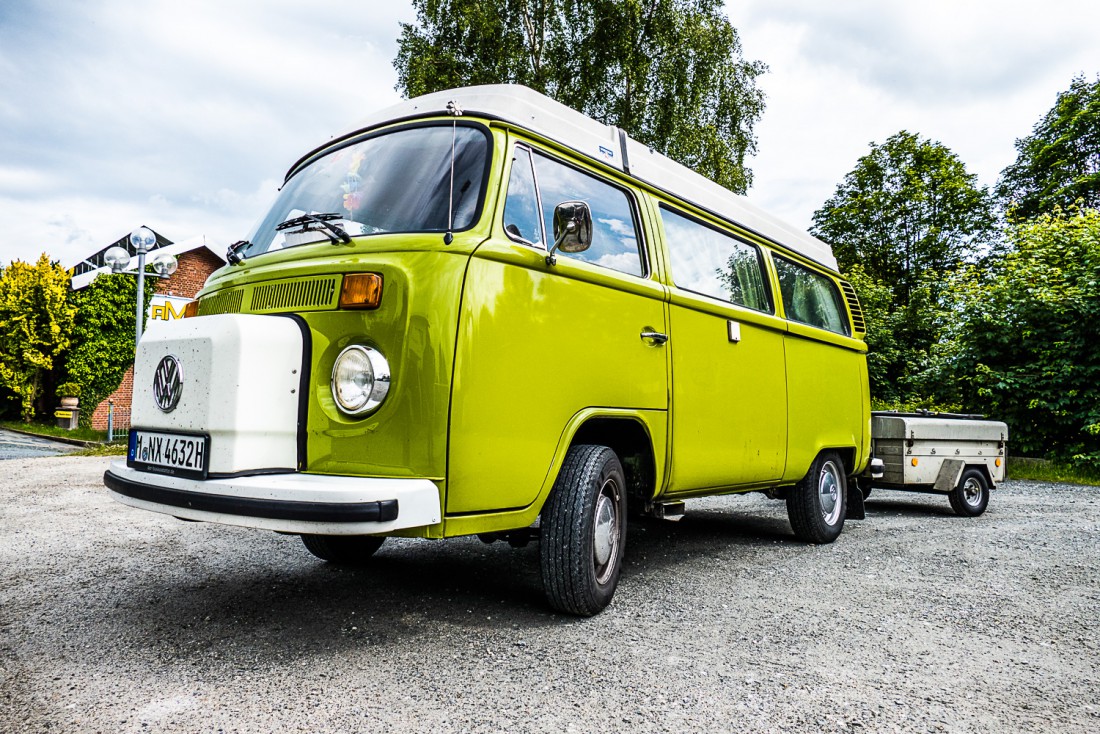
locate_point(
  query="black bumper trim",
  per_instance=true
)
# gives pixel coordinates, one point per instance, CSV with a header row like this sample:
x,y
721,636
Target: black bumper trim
x,y
342,512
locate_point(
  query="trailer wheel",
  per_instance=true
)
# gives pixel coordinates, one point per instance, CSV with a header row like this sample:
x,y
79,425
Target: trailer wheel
x,y
345,550
584,531
817,504
971,497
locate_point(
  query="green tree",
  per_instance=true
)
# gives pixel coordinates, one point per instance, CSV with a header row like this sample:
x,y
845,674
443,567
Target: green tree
x,y
1020,339
36,319
669,72
909,206
905,216
1059,163
103,337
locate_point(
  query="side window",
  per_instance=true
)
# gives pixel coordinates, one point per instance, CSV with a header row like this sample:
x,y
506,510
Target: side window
x,y
521,207
614,238
810,297
708,261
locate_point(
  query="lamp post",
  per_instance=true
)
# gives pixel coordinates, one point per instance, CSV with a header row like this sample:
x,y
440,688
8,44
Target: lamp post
x,y
117,258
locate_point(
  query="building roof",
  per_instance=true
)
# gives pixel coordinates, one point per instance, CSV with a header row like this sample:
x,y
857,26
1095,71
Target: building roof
x,y
85,271
527,109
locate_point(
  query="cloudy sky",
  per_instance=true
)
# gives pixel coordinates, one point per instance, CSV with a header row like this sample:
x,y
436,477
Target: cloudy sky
x,y
185,116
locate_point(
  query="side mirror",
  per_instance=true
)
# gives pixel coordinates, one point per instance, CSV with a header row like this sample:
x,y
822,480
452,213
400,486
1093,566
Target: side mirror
x,y
572,228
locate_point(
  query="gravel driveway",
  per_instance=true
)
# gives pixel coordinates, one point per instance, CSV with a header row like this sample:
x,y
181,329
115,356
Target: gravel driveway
x,y
117,620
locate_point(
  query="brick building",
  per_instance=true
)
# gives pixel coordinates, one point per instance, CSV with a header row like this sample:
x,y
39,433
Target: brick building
x,y
196,259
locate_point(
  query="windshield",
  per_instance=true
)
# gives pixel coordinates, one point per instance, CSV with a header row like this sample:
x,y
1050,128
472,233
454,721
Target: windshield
x,y
394,182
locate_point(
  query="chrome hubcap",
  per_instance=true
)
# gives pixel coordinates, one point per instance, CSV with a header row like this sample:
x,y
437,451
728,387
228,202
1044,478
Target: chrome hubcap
x,y
606,531
972,492
828,492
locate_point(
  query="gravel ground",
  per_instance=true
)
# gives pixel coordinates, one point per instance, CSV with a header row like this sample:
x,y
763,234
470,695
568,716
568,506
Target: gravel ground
x,y
117,620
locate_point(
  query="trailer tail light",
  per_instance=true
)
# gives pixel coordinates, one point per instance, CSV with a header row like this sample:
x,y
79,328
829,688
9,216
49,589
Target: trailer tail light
x,y
913,461
361,290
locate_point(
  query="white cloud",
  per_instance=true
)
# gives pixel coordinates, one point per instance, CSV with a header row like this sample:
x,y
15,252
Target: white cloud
x,y
974,76
181,116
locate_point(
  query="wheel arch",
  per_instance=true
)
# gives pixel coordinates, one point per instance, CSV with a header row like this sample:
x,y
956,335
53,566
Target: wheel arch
x,y
630,439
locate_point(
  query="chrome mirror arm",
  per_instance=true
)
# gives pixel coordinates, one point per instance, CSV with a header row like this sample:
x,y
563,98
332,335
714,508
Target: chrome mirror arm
x,y
551,258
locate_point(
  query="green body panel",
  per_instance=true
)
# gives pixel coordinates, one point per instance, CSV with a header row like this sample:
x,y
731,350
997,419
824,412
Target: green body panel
x,y
829,406
537,344
729,400
654,422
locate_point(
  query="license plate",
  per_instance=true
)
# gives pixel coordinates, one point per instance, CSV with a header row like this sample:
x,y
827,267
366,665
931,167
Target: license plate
x,y
178,454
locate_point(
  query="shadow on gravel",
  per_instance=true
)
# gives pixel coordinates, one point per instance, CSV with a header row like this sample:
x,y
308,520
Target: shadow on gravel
x,y
290,604
910,505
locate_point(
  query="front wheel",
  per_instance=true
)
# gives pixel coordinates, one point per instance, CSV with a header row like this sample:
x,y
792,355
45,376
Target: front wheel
x,y
583,531
346,550
971,497
817,504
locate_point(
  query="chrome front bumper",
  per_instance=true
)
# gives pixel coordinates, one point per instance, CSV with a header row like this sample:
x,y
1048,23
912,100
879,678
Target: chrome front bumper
x,y
289,503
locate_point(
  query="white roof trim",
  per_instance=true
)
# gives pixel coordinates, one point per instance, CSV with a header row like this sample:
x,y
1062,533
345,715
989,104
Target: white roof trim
x,y
538,113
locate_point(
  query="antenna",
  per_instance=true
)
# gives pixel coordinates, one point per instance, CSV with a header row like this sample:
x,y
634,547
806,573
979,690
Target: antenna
x,y
454,110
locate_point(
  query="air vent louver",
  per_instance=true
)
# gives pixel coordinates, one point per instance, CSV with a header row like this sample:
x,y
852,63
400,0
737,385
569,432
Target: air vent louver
x,y
859,324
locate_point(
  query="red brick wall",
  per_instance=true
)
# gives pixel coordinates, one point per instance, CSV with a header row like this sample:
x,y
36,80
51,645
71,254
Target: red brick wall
x,y
194,268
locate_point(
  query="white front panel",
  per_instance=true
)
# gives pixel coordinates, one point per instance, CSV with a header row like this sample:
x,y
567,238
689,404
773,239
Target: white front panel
x,y
241,377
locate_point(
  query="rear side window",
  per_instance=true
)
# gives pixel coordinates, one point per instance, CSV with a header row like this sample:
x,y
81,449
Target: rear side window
x,y
810,298
711,262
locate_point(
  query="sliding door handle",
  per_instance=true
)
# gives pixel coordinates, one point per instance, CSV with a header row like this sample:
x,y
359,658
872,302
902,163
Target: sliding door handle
x,y
653,338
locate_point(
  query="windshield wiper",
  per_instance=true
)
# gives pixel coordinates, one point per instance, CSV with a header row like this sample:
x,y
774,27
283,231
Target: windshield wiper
x,y
231,254
336,233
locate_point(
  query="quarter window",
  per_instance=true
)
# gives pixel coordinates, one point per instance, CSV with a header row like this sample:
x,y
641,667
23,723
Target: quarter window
x,y
810,297
521,208
708,261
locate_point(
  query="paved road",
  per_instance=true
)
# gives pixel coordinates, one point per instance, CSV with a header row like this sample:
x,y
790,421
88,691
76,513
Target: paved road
x,y
19,446
122,621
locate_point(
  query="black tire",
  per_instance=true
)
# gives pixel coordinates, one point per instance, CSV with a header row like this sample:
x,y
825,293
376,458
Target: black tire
x,y
817,504
583,531
346,550
971,497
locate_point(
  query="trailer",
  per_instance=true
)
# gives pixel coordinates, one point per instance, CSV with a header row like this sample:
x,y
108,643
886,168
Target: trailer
x,y
962,456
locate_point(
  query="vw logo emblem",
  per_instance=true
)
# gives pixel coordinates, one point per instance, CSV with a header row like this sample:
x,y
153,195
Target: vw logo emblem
x,y
168,383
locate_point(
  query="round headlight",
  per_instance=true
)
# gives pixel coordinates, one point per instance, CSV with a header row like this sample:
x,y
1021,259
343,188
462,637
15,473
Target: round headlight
x,y
360,379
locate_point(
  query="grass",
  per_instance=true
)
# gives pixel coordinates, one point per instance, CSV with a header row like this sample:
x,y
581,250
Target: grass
x,y
1042,470
118,448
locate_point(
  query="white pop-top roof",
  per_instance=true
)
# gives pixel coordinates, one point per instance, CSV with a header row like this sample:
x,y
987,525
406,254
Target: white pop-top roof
x,y
526,108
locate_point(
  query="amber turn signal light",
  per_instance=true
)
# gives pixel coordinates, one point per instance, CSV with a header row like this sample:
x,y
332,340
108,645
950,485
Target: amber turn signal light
x,y
191,310
361,290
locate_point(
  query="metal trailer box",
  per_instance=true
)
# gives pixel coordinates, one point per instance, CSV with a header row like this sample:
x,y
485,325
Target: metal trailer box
x,y
936,453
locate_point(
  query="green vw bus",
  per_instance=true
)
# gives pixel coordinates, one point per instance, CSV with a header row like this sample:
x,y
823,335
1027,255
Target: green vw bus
x,y
480,312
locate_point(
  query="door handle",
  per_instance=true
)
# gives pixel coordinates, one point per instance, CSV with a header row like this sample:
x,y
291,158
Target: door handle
x,y
655,338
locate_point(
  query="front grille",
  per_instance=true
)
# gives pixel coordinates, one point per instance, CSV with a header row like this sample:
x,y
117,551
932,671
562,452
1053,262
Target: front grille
x,y
295,295
221,302
300,294
859,324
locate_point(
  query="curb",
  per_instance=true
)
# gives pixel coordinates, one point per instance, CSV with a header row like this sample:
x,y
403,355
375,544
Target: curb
x,y
59,439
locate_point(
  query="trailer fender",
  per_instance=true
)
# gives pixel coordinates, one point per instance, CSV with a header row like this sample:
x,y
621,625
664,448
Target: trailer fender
x,y
950,472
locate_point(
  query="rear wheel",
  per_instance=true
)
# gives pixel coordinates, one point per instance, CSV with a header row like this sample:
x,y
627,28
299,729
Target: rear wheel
x,y
584,531
817,504
971,497
347,550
